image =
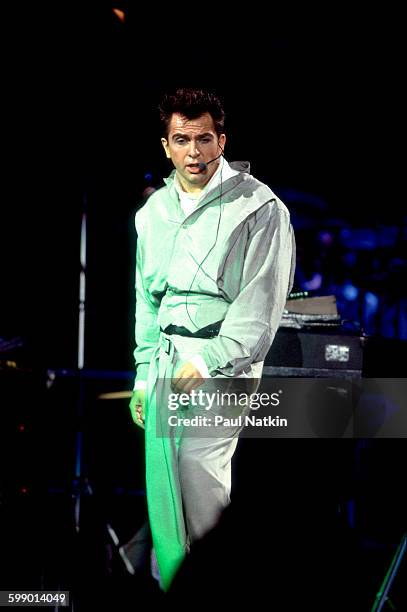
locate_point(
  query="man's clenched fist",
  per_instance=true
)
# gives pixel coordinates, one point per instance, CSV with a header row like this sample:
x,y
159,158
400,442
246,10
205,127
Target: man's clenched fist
x,y
137,407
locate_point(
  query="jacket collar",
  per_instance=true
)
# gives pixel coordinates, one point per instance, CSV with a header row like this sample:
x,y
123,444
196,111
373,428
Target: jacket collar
x,y
220,189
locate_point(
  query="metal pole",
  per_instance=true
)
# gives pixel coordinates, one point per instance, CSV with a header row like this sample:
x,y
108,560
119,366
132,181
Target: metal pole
x,y
382,595
80,365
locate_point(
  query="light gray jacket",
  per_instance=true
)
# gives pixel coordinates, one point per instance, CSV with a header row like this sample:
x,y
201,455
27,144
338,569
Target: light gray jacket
x,y
231,259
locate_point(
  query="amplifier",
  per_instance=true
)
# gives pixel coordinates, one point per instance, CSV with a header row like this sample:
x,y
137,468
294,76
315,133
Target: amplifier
x,y
304,352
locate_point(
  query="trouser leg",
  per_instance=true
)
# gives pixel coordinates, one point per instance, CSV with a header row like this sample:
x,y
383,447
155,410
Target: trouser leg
x,y
188,476
205,457
205,478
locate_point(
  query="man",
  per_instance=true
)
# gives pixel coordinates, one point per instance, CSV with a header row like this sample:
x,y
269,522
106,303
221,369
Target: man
x,y
215,263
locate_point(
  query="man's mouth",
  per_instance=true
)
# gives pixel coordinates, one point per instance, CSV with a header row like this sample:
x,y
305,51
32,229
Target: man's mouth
x,y
193,168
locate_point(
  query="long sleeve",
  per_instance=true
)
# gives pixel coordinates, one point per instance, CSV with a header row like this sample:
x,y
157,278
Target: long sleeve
x,y
254,315
147,330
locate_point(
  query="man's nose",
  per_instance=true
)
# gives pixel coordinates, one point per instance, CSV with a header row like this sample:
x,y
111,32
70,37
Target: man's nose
x,y
193,149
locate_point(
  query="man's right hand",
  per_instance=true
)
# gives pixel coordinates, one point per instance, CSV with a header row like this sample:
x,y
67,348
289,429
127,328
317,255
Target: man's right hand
x,y
137,407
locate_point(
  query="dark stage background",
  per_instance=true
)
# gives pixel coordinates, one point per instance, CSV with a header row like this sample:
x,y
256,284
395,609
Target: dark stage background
x,y
313,106
313,102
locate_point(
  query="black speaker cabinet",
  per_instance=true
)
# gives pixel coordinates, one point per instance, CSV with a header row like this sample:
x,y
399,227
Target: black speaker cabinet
x,y
316,349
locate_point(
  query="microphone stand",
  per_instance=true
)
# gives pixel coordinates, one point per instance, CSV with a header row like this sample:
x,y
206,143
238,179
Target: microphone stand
x,y
81,483
79,486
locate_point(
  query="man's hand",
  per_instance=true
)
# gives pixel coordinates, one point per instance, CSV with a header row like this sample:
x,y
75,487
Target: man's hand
x,y
187,378
137,407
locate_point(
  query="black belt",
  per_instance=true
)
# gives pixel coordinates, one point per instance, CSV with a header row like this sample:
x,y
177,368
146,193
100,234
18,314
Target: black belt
x,y
210,331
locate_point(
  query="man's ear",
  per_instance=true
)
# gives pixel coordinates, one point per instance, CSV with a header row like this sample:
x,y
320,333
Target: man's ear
x,y
166,147
222,141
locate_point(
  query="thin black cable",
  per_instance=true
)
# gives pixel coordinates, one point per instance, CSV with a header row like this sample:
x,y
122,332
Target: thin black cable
x,y
216,238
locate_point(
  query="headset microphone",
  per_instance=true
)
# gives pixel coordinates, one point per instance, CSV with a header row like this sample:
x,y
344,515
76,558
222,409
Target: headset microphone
x,y
203,166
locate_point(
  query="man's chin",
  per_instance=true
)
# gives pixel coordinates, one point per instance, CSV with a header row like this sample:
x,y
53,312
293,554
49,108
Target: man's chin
x,y
198,180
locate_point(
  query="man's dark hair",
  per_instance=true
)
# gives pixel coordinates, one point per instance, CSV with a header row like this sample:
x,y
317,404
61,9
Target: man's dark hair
x,y
192,103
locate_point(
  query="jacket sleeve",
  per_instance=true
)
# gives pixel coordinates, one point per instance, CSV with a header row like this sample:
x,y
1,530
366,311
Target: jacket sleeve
x,y
147,330
253,317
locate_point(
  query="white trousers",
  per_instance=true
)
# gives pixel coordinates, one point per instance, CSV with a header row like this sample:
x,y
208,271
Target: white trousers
x,y
188,475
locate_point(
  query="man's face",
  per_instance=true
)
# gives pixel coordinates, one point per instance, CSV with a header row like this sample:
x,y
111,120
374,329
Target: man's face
x,y
191,141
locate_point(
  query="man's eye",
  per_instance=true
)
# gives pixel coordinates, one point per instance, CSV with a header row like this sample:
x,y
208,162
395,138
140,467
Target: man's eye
x,y
180,140
205,140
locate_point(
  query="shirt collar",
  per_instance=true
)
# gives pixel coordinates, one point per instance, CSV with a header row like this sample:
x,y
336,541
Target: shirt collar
x,y
223,173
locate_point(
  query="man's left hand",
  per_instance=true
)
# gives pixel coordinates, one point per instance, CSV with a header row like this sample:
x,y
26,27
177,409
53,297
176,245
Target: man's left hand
x,y
186,379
